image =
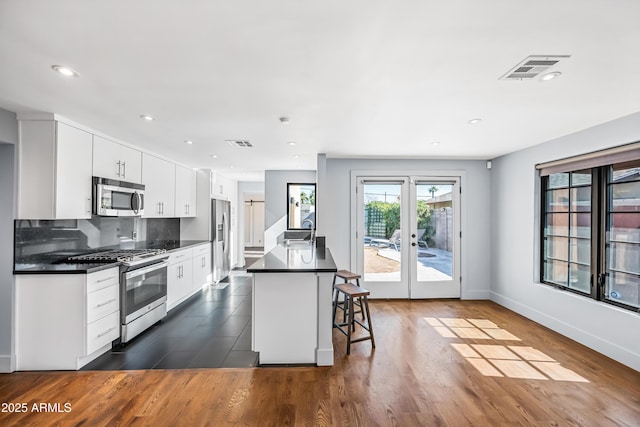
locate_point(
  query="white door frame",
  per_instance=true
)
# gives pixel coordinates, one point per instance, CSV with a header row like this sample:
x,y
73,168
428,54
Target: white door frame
x,y
460,258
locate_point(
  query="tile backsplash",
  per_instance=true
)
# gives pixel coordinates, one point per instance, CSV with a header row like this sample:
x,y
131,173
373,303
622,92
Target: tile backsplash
x,y
46,240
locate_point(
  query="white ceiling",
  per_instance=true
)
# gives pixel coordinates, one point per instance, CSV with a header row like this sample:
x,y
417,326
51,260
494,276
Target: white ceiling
x,y
356,78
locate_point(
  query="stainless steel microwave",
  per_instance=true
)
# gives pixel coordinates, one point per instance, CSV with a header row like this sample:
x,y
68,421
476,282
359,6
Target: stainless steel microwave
x,y
117,198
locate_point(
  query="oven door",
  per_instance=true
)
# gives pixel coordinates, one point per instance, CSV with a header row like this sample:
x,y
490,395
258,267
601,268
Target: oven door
x,y
143,289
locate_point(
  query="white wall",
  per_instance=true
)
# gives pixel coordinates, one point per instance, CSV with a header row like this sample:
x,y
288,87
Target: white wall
x,y
8,144
335,208
515,247
275,201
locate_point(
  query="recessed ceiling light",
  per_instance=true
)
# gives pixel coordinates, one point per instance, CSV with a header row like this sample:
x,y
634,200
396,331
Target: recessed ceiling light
x,y
474,121
296,156
435,143
147,117
291,143
188,142
550,76
65,71
284,120
213,156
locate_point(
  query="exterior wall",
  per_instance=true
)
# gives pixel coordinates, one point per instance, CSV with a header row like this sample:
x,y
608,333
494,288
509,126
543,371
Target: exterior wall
x,y
335,208
515,243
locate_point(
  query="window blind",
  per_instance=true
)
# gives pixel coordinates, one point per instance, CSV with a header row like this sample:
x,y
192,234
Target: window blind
x,y
594,159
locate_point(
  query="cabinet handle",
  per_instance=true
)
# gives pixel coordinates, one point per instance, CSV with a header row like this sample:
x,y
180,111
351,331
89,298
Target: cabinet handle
x,y
162,208
118,173
106,303
105,279
124,169
89,205
105,332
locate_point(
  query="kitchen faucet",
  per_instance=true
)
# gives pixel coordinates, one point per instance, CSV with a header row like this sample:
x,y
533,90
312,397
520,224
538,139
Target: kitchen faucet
x,y
313,228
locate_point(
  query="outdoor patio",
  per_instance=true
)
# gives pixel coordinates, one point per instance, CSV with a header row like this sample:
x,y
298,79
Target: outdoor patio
x,y
383,264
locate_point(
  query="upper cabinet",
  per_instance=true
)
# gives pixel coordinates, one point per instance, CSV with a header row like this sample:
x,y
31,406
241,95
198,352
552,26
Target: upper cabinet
x,y
54,171
158,176
116,161
221,187
58,158
185,192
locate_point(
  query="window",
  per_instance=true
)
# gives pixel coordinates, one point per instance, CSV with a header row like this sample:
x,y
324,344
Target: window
x,y
591,231
301,206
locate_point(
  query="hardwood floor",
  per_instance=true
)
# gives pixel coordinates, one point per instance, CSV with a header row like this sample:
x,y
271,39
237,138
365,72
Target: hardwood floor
x,y
506,371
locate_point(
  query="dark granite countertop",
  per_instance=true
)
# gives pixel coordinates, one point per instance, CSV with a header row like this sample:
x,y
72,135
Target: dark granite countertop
x,y
54,263
63,268
295,259
171,245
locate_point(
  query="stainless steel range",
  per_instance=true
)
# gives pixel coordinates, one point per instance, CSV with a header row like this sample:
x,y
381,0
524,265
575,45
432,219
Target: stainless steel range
x,y
143,286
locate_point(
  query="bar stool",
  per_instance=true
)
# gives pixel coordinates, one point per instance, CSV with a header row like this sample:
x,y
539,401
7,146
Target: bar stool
x,y
351,292
346,275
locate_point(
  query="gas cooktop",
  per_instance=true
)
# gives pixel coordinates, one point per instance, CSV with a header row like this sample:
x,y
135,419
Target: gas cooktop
x,y
119,255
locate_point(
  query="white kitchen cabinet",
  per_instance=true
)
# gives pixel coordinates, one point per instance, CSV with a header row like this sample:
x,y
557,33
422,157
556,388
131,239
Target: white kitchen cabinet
x,y
54,171
158,176
201,265
64,321
116,161
179,277
185,192
221,187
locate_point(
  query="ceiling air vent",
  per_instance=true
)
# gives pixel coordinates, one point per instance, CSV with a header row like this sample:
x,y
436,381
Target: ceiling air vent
x,y
533,66
239,143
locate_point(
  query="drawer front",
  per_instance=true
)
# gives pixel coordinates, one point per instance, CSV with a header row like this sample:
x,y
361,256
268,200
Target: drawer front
x,y
103,279
103,331
102,302
201,250
180,256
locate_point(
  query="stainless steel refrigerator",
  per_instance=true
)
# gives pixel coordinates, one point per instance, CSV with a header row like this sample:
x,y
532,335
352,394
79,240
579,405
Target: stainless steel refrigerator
x,y
220,241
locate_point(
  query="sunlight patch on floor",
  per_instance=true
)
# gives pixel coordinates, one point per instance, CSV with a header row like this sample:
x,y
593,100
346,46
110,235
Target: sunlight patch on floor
x,y
495,360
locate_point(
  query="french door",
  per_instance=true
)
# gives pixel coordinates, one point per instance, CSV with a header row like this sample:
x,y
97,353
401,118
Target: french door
x,y
408,236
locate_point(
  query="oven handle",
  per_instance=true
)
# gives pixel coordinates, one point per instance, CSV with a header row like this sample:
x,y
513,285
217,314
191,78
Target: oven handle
x,y
145,270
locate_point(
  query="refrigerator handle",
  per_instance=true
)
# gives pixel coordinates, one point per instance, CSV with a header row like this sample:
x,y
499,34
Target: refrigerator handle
x,y
224,230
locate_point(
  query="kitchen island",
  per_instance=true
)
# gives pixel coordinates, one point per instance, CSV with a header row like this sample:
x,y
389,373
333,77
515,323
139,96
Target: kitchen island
x,y
292,305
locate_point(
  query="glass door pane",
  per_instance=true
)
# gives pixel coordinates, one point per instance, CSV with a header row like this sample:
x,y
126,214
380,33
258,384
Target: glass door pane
x,y
382,240
434,232
381,250
434,239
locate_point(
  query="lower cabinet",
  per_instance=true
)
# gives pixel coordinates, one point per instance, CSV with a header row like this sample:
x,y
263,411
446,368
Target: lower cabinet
x,y
188,270
64,321
179,277
201,266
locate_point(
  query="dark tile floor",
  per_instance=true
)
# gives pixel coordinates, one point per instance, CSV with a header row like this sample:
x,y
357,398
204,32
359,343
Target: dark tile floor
x,y
212,329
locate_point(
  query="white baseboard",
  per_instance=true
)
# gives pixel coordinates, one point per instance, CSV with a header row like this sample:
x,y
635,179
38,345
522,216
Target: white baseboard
x,y
7,363
594,342
476,295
